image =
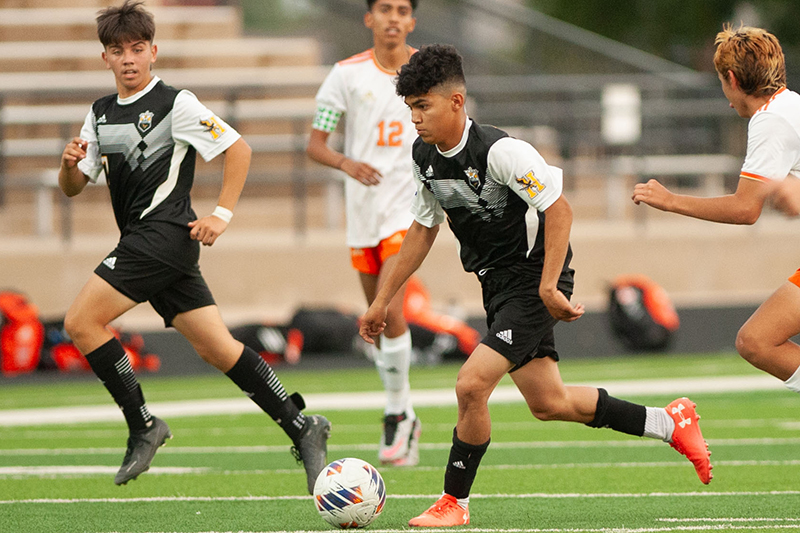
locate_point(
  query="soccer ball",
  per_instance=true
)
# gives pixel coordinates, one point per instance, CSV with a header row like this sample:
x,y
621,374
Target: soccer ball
x,y
349,493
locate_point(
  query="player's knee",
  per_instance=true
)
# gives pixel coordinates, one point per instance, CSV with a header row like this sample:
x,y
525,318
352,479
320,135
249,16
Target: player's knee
x,y
471,391
545,409
75,326
749,346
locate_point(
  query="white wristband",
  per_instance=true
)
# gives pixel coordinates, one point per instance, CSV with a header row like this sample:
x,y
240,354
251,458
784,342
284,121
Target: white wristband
x,y
223,213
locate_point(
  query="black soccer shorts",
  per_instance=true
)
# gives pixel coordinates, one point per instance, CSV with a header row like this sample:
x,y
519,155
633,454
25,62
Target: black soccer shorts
x,y
520,326
142,278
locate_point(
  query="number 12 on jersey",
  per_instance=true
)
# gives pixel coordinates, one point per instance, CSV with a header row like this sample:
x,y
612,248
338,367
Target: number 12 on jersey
x,y
391,135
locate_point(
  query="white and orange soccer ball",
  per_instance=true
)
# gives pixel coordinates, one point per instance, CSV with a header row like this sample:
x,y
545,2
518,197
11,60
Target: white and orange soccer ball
x,y
349,493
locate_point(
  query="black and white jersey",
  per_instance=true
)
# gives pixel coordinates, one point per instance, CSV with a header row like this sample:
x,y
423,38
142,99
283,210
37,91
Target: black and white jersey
x,y
147,146
493,191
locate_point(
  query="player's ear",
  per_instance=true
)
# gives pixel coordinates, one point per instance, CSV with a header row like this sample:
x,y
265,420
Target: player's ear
x,y
731,78
457,100
155,53
369,20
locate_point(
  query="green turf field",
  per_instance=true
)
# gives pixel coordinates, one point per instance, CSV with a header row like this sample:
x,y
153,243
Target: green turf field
x,y
233,472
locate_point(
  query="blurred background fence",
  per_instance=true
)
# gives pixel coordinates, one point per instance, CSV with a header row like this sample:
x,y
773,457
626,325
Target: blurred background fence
x,y
609,113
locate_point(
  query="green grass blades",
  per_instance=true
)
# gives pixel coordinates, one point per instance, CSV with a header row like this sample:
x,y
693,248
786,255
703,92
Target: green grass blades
x,y
233,472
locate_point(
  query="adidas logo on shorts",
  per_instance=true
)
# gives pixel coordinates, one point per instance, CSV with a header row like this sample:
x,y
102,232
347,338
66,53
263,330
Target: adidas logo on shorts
x,y
505,336
110,262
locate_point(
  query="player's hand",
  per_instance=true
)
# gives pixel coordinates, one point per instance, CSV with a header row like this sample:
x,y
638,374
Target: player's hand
x,y
653,194
559,305
207,229
372,323
361,172
74,151
785,196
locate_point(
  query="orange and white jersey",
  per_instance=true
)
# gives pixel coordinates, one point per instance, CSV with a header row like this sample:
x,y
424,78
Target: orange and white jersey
x,y
379,132
773,139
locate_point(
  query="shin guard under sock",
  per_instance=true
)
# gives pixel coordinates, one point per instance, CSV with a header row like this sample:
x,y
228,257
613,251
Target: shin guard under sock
x,y
462,466
618,415
111,365
255,377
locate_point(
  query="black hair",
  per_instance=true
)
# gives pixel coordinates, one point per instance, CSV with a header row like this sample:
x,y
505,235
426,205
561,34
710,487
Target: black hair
x,y
126,23
431,66
371,3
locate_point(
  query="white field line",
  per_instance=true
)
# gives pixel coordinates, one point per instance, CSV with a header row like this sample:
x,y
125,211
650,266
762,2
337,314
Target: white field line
x,y
69,471
727,519
201,450
529,496
717,527
376,400
50,434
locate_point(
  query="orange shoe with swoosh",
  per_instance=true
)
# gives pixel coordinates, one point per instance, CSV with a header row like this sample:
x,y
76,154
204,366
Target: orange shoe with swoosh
x,y
446,512
687,438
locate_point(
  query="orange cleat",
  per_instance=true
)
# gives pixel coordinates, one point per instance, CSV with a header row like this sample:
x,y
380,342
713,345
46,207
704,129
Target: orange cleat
x,y
687,438
444,513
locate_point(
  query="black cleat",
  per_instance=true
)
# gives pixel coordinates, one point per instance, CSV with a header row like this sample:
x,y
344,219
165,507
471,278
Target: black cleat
x,y
141,450
312,450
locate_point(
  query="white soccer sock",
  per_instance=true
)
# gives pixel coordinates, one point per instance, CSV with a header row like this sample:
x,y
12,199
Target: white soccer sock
x,y
658,424
793,383
392,361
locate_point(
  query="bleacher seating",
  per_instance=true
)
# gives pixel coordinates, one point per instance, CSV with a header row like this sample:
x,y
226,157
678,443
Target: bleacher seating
x,y
51,70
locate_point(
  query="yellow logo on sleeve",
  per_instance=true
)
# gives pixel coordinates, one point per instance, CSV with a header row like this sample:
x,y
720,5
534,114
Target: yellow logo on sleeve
x,y
530,184
212,126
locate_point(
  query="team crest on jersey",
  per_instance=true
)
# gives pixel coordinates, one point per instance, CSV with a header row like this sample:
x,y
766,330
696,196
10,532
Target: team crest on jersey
x,y
212,126
145,120
473,178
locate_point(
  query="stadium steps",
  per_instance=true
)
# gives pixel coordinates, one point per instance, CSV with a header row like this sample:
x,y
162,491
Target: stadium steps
x,y
42,56
78,23
51,71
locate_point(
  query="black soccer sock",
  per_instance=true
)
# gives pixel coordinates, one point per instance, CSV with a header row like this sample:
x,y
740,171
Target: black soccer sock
x,y
618,415
255,377
462,466
111,365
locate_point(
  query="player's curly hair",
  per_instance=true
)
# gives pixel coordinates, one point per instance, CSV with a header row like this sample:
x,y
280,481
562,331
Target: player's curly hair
x,y
754,56
431,66
371,3
126,23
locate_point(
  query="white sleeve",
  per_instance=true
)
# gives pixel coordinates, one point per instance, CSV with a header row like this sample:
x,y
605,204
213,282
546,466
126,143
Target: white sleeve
x,y
518,165
773,147
331,101
425,207
194,124
92,164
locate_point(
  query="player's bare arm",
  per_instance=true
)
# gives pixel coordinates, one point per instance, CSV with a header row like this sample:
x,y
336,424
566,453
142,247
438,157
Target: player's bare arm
x,y
415,248
785,196
234,175
557,225
742,207
319,151
70,178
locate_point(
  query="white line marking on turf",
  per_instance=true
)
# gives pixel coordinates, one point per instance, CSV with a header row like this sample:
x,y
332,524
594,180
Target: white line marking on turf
x,y
728,519
58,471
375,400
200,450
162,499
718,527
55,471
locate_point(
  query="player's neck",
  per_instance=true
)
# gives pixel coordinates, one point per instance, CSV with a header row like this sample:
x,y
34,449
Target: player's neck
x,y
392,58
125,92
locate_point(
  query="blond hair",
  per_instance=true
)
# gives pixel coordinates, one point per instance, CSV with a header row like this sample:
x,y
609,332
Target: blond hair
x,y
754,56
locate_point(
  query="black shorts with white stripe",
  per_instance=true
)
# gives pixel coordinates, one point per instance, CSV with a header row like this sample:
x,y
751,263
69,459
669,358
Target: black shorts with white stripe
x,y
520,326
143,278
